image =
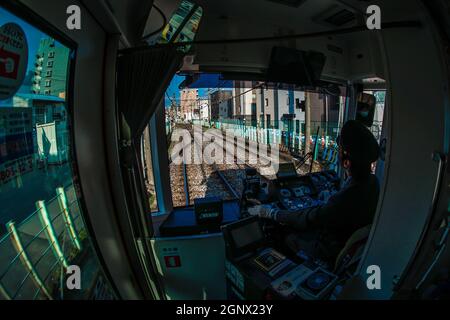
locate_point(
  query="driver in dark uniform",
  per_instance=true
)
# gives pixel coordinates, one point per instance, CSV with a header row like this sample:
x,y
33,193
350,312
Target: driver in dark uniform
x,y
323,231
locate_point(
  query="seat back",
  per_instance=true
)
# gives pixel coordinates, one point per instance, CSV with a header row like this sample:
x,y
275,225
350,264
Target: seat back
x,y
353,249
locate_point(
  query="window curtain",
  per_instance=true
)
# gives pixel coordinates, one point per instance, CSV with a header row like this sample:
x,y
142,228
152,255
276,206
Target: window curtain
x,y
142,78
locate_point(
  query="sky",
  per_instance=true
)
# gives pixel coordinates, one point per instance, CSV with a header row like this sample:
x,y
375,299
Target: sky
x,y
173,89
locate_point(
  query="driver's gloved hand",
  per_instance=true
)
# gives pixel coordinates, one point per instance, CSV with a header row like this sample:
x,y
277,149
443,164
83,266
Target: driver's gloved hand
x,y
263,211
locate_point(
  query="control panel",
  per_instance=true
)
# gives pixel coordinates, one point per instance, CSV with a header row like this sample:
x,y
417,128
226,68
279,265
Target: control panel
x,y
255,269
290,191
296,193
326,181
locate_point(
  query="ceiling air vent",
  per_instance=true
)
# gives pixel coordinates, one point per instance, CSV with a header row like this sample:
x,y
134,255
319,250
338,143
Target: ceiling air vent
x,y
341,18
290,3
337,16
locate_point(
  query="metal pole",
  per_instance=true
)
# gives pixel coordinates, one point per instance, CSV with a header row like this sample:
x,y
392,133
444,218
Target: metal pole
x,y
51,234
63,204
186,185
17,244
313,156
307,121
4,293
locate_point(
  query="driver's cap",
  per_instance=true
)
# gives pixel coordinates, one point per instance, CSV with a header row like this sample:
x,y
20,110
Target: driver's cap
x,y
359,142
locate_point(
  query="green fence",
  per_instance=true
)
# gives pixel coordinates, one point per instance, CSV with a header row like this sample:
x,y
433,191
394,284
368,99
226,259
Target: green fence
x,y
289,134
34,253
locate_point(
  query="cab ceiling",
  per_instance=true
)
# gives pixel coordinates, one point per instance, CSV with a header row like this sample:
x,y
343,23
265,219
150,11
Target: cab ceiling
x,y
262,18
353,56
233,18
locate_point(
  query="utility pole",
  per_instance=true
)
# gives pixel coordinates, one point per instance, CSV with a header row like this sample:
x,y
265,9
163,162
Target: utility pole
x,y
307,121
327,115
174,108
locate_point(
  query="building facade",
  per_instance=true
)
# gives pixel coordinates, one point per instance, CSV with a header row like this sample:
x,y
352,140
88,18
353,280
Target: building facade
x,y
221,104
50,69
244,100
275,105
189,108
37,124
204,109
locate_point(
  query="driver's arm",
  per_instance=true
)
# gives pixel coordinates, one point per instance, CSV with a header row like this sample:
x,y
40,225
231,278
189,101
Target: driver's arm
x,y
330,213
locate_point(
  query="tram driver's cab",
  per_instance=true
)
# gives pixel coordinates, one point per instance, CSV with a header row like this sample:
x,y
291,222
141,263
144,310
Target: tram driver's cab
x,y
142,142
275,88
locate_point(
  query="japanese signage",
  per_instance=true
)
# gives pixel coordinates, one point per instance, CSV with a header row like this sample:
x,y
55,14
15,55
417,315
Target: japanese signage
x,y
13,59
16,168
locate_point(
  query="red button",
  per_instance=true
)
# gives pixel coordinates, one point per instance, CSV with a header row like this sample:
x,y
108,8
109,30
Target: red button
x,y
172,261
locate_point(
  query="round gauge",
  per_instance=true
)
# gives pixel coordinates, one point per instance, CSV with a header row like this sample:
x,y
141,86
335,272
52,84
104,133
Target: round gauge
x,y
285,193
308,201
306,190
299,192
318,281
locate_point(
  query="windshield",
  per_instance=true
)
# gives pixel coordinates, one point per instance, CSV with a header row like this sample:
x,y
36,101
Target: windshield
x,y
265,116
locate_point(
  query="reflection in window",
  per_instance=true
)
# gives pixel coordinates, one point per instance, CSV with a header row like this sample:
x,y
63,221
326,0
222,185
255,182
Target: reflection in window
x,y
42,230
177,19
183,25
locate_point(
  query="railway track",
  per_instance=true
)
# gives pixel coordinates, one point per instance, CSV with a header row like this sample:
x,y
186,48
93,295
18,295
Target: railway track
x,y
178,185
191,181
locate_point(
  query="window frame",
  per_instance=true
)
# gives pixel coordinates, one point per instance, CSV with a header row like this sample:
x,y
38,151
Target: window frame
x,y
160,164
29,16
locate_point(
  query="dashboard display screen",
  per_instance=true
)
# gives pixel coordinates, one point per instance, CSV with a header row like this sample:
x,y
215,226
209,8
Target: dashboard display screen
x,y
247,234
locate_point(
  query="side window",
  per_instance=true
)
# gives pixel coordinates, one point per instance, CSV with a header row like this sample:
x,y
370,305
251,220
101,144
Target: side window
x,y
42,229
147,166
380,97
377,126
182,27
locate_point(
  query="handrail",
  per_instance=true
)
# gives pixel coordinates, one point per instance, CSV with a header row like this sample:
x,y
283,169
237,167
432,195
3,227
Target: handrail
x,y
35,212
17,257
44,253
52,268
5,236
35,264
63,210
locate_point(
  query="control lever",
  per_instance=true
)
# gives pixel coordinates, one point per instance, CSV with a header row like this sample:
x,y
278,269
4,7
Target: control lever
x,y
246,202
254,202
